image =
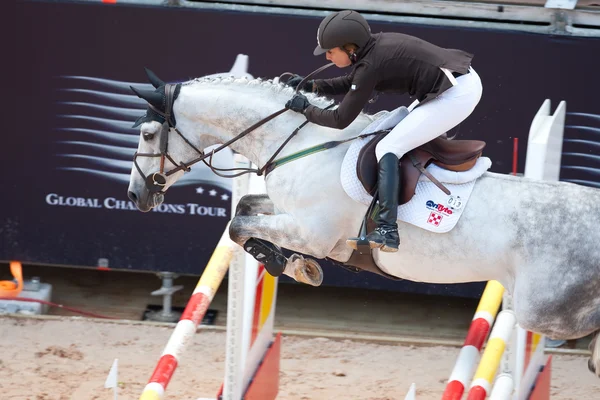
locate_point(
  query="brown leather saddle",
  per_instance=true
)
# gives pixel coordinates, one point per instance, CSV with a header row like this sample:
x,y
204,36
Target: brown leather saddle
x,y
454,155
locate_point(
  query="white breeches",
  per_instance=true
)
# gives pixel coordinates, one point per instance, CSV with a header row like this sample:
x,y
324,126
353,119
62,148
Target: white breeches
x,y
433,118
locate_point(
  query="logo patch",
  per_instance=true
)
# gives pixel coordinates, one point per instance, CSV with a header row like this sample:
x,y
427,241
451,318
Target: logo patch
x,y
434,219
438,207
353,87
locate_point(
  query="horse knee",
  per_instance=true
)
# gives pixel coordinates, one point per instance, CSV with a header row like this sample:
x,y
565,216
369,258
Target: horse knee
x,y
245,205
252,204
237,231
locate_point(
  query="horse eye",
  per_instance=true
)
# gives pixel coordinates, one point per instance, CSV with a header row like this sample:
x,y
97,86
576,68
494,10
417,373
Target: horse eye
x,y
148,136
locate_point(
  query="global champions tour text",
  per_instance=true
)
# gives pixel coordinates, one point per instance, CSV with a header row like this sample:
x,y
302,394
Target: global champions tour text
x,y
112,203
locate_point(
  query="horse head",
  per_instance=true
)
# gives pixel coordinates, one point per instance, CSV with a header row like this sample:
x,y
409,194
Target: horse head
x,y
184,119
160,158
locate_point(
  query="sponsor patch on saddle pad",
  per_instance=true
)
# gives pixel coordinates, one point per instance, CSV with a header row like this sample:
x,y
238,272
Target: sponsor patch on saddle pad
x,y
430,208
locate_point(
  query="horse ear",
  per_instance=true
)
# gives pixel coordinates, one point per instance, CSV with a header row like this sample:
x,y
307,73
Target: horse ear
x,y
156,99
154,80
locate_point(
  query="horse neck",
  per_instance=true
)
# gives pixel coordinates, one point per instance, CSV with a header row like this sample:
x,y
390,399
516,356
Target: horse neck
x,y
218,112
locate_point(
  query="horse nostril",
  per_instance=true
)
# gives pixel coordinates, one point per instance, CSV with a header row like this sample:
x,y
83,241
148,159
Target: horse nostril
x,y
132,196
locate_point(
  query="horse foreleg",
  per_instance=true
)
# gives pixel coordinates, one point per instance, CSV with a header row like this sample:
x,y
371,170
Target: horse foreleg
x,y
270,255
254,204
263,251
256,233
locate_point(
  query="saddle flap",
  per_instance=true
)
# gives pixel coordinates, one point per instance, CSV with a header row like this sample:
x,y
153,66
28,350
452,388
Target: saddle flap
x,y
366,170
366,166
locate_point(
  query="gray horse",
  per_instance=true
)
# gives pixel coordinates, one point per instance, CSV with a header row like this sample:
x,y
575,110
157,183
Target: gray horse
x,y
539,239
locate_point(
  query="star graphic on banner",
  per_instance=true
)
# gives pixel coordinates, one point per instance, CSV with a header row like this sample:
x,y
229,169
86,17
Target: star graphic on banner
x,y
224,197
200,190
213,192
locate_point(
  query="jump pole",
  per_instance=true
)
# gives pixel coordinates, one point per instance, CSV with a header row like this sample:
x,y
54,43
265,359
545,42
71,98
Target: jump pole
x,y
492,358
190,319
252,349
483,319
525,374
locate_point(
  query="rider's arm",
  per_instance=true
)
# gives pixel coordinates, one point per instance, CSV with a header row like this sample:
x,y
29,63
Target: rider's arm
x,y
361,88
333,86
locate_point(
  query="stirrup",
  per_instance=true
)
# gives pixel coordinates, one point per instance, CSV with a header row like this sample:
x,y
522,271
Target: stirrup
x,y
353,243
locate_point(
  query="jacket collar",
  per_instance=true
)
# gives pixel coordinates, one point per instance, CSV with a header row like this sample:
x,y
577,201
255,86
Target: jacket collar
x,y
362,52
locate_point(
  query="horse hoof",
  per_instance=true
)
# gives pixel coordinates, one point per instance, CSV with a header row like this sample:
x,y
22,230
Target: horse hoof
x,y
304,270
592,367
312,272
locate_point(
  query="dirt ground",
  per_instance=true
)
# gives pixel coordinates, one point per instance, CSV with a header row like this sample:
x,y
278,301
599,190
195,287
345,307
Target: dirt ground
x,y
69,359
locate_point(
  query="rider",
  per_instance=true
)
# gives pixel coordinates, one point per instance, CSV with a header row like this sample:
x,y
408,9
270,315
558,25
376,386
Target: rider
x,y
441,80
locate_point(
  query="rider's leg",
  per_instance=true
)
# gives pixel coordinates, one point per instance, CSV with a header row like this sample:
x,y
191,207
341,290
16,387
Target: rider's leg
x,y
434,118
385,236
420,126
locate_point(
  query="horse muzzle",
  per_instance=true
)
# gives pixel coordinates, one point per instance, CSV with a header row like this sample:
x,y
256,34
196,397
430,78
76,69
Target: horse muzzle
x,y
147,200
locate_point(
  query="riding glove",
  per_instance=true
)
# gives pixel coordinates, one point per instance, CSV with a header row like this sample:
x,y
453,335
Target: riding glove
x,y
295,81
298,103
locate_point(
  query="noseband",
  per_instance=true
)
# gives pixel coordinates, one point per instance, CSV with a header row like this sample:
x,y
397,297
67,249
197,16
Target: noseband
x,y
156,182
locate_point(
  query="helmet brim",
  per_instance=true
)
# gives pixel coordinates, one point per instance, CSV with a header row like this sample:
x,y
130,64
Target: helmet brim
x,y
319,50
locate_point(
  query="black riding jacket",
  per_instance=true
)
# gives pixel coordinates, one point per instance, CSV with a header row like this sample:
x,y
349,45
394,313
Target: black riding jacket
x,y
389,63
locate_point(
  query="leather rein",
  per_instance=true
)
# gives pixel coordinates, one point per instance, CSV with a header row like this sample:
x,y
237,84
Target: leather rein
x,y
156,181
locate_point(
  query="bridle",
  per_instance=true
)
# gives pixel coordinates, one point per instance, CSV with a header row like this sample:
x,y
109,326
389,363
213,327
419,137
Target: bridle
x,y
156,181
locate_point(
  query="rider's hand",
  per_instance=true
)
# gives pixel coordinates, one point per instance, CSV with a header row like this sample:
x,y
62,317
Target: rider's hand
x,y
298,103
295,81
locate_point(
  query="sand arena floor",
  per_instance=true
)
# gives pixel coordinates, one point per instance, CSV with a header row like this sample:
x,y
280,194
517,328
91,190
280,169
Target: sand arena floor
x,y
69,358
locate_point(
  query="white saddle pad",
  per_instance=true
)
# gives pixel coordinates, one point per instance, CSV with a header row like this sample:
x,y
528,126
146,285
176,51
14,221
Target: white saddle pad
x,y
430,208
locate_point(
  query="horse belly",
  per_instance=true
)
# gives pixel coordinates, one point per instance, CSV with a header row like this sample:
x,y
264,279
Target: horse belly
x,y
433,268
477,249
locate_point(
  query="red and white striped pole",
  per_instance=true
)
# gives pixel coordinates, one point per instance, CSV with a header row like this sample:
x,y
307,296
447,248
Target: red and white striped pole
x,y
478,331
503,387
190,319
492,356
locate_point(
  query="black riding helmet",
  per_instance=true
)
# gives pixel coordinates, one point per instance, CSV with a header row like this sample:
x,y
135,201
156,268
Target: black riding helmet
x,y
340,28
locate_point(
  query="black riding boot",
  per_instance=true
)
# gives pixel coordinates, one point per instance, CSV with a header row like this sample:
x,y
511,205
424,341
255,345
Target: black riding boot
x,y
385,236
